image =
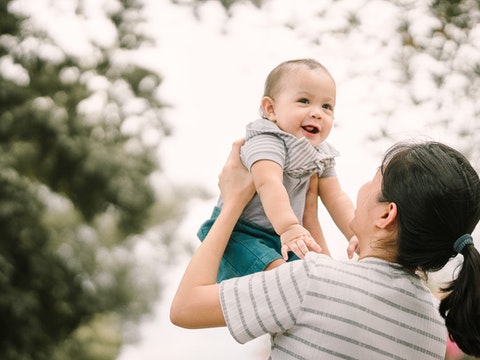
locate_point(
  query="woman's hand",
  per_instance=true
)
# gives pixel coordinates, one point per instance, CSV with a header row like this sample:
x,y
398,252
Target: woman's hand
x,y
353,247
235,181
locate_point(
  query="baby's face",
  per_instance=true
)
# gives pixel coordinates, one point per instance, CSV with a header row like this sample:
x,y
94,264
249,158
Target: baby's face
x,y
304,106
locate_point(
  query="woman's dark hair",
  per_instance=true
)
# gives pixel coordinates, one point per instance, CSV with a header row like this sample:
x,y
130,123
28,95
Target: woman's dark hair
x,y
437,194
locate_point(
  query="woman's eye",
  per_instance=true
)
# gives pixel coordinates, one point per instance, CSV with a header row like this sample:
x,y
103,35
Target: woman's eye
x,y
303,100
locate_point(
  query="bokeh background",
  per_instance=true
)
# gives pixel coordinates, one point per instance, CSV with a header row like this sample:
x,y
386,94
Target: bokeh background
x,y
117,115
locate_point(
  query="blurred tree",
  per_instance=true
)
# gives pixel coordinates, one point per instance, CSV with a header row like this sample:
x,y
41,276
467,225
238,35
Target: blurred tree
x,y
441,47
227,4
78,138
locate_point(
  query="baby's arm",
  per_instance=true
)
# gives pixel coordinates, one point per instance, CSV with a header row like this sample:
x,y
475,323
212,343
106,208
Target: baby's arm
x,y
268,180
310,216
338,204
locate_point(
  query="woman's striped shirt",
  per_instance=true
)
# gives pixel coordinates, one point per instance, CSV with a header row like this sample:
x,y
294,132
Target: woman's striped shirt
x,y
321,308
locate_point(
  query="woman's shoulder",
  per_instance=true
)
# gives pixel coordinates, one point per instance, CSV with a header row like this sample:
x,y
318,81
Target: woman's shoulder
x,y
371,269
325,265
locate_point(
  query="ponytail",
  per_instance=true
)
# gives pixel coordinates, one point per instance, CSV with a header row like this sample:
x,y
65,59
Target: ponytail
x,y
461,307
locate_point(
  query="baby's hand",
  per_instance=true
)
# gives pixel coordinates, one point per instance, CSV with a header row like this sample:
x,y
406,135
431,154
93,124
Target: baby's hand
x,y
353,246
298,240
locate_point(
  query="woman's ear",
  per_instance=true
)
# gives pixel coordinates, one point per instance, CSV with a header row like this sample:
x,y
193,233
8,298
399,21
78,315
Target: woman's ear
x,y
388,215
268,108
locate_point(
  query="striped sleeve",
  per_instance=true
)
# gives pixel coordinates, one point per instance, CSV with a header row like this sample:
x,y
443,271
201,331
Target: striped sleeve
x,y
263,147
265,302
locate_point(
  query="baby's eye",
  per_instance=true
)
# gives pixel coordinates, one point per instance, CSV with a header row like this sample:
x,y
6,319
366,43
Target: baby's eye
x,y
327,106
303,100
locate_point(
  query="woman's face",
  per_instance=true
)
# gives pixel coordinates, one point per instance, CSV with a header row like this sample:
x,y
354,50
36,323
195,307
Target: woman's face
x,y
368,208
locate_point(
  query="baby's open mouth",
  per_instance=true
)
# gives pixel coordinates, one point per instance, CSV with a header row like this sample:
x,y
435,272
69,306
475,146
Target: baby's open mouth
x,y
311,129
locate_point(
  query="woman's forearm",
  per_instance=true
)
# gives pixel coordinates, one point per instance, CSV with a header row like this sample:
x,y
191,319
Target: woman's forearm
x,y
203,266
196,303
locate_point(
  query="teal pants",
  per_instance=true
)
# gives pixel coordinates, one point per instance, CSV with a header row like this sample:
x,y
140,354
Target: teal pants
x,y
250,248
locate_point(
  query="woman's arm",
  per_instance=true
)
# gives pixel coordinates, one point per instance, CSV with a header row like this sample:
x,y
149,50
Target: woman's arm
x,y
196,303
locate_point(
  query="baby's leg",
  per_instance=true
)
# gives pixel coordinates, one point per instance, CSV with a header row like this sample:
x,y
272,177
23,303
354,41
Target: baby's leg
x,y
274,264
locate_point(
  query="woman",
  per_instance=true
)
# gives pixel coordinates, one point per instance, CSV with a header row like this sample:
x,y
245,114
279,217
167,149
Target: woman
x,y
417,213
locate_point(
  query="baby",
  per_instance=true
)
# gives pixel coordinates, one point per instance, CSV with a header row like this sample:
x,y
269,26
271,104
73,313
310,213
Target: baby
x,y
282,150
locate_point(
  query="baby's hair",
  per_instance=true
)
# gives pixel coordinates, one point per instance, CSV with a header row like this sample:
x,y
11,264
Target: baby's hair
x,y
274,78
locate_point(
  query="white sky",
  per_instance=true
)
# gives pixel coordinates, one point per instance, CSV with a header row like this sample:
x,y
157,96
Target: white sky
x,y
213,73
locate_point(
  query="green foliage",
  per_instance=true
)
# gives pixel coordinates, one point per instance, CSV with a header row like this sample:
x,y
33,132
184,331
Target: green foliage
x,y
227,4
8,24
76,192
41,299
450,46
103,341
460,13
